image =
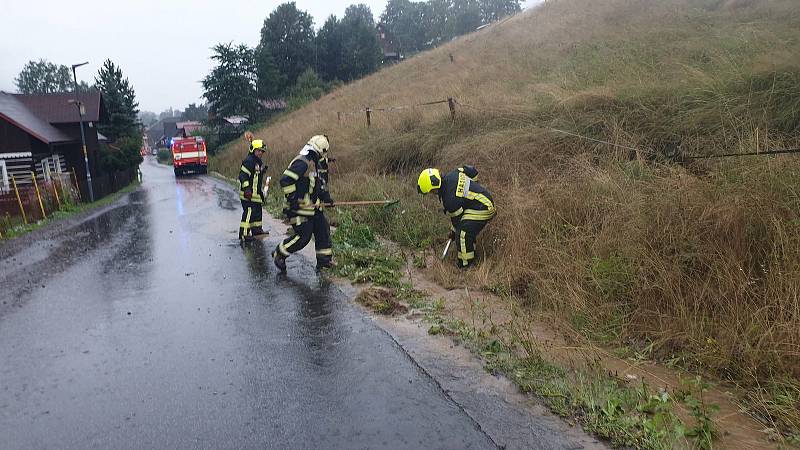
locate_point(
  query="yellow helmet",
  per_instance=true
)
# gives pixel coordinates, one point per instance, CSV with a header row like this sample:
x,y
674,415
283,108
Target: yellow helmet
x,y
320,143
257,144
428,180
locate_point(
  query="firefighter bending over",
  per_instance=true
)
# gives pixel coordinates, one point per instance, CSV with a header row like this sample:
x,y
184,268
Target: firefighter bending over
x,y
251,192
468,204
305,189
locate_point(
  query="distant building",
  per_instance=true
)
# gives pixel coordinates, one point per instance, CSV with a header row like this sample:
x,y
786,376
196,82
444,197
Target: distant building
x,y
236,120
189,127
160,133
273,105
389,46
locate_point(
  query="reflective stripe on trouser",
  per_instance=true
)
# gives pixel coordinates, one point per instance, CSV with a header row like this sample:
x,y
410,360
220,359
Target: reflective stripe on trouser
x,y
251,218
304,228
466,233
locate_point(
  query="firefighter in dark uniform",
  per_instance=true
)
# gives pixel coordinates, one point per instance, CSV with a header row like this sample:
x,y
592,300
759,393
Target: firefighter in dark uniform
x,y
306,189
468,204
251,192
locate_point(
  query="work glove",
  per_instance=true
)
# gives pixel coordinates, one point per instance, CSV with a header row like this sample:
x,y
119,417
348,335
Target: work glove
x,y
452,235
248,194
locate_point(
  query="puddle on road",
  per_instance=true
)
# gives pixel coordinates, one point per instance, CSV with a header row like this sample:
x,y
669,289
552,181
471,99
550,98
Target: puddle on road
x,y
76,244
226,199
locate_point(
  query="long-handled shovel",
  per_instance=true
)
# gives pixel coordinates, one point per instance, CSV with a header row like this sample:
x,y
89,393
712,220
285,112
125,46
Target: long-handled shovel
x,y
386,203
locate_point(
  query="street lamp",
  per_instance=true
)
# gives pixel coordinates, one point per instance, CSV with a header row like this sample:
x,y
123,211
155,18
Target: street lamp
x,y
83,136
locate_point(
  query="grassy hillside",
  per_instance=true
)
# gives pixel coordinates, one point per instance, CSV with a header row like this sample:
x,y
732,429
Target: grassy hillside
x,y
694,263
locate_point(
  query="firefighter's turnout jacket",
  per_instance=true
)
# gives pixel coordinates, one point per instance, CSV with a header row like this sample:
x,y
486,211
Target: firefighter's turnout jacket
x,y
469,206
251,176
305,188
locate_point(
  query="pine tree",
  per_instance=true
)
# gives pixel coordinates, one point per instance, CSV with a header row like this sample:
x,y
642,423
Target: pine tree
x,y
120,102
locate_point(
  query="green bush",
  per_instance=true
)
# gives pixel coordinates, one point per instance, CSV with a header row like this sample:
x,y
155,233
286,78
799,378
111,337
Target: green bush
x,y
122,154
164,156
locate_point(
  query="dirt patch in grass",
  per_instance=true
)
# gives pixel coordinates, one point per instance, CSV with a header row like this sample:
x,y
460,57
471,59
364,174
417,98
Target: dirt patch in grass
x,y
476,308
382,301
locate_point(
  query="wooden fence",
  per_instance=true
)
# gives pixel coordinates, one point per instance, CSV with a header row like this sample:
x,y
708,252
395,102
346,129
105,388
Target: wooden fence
x,y
370,110
27,203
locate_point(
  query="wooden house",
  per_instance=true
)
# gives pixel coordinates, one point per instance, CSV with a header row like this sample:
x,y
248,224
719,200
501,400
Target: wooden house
x,y
41,134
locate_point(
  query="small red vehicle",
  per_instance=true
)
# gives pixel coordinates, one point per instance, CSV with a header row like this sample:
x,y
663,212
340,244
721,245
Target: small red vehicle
x,y
189,155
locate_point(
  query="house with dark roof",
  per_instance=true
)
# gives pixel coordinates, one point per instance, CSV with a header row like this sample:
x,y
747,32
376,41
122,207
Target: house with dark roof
x,y
41,134
161,133
389,47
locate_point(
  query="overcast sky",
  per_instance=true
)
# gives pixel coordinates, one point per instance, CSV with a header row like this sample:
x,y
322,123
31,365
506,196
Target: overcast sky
x,y
162,46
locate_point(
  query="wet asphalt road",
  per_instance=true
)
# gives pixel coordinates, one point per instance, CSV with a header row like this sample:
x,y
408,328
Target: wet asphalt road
x,y
148,326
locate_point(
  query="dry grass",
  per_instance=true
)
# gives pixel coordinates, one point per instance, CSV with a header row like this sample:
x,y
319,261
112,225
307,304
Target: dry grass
x,y
699,263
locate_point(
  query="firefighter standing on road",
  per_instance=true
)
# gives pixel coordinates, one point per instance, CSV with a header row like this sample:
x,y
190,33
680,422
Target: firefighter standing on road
x,y
251,193
468,204
304,184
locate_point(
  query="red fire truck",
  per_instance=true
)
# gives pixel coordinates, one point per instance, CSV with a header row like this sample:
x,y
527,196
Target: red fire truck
x,y
189,154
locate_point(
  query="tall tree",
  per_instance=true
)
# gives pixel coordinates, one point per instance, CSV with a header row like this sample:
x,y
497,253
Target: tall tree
x,y
230,88
309,87
361,48
43,77
169,113
466,16
403,19
148,118
120,102
270,82
329,49
437,22
493,10
196,112
359,13
288,33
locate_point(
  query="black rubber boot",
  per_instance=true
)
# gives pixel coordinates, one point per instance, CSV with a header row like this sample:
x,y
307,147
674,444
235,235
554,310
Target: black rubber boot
x,y
328,264
279,260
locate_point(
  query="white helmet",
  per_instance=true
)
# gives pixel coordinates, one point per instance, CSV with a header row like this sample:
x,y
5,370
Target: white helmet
x,y
319,144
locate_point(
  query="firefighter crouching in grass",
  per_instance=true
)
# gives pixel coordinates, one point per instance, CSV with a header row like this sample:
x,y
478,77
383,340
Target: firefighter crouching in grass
x,y
251,193
305,189
468,204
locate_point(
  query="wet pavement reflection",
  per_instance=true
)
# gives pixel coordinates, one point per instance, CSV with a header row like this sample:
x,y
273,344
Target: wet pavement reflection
x,y
150,326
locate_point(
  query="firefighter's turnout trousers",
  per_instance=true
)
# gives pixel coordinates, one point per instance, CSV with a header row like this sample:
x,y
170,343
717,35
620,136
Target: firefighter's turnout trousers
x,y
251,176
303,188
466,233
470,208
303,229
251,219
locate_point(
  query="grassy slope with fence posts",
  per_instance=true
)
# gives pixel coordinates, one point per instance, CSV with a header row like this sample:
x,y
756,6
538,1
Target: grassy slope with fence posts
x,y
693,263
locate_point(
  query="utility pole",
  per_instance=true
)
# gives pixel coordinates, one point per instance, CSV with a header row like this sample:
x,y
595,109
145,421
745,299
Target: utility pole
x,y
83,136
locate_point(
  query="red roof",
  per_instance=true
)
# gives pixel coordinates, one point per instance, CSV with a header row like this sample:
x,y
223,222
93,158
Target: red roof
x,y
60,108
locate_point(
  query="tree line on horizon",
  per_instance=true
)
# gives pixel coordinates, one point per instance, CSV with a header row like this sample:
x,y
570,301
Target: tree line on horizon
x,y
296,64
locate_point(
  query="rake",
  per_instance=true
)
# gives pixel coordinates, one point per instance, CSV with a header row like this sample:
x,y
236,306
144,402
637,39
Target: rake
x,y
385,203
